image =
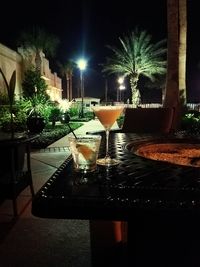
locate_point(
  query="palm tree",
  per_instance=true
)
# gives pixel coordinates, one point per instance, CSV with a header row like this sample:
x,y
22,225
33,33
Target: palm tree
x,y
137,56
38,40
66,71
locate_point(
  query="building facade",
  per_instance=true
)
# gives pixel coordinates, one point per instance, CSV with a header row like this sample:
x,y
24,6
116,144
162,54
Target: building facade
x,y
11,60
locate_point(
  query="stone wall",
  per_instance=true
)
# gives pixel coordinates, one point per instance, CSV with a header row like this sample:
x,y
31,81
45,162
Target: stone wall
x,y
10,61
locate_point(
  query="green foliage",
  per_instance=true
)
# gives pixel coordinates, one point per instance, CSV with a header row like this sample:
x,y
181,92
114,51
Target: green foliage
x,y
33,84
74,111
38,105
4,100
35,99
89,115
120,120
55,115
19,119
51,134
191,122
4,114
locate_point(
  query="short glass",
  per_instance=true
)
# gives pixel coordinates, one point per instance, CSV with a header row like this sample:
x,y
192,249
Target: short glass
x,y
85,150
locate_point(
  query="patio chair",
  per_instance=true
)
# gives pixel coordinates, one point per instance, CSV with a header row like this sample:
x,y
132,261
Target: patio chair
x,y
148,120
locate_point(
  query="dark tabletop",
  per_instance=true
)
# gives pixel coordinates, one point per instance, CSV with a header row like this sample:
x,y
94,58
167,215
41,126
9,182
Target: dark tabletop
x,y
136,185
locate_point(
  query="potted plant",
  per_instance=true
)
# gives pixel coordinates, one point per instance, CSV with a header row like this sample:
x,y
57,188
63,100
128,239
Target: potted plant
x,y
35,121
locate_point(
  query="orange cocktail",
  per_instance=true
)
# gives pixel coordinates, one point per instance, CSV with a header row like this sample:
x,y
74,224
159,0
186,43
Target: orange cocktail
x,y
107,115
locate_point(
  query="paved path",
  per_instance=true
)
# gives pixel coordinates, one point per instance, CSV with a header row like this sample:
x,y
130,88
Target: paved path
x,y
90,126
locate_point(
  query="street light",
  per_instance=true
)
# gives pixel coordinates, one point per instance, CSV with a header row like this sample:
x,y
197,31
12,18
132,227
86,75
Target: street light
x,y
82,64
121,87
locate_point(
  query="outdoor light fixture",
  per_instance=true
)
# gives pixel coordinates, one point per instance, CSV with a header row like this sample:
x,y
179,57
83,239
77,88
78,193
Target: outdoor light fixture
x,y
82,64
120,88
121,80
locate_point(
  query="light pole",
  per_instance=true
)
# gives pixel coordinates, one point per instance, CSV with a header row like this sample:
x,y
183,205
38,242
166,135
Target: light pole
x,y
106,90
121,87
82,64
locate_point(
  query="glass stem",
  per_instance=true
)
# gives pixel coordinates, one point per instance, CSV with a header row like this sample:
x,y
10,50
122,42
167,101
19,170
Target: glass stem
x,y
107,140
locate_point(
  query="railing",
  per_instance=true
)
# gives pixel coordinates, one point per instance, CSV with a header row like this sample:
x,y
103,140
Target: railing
x,y
194,106
191,106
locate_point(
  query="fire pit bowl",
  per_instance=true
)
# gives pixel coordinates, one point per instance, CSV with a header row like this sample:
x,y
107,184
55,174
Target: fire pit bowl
x,y
176,151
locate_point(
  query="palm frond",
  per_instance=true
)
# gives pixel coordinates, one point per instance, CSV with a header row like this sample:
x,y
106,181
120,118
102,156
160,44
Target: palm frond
x,y
38,40
137,54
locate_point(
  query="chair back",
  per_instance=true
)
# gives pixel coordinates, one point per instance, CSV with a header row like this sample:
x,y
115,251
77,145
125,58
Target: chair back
x,y
148,120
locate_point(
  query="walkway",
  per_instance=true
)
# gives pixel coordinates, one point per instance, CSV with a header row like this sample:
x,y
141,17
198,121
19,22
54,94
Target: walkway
x,y
90,126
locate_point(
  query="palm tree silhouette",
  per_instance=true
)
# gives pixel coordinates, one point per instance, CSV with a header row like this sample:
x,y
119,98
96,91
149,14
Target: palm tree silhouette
x,y
66,70
38,40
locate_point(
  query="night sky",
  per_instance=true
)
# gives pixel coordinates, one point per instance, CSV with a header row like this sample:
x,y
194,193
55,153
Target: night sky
x,y
85,28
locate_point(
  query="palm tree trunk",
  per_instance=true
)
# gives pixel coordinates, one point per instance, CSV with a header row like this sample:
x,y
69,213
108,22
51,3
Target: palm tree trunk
x,y
136,97
182,50
68,85
38,61
172,83
70,89
176,68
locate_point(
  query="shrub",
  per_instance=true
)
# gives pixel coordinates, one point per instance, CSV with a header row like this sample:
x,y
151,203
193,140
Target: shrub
x,y
190,122
33,83
49,135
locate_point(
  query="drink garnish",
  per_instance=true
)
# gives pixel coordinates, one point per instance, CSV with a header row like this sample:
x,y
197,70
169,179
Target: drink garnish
x,y
87,152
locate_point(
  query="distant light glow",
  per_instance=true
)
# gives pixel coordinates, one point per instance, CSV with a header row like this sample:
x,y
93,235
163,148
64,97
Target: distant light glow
x,y
82,64
122,87
121,80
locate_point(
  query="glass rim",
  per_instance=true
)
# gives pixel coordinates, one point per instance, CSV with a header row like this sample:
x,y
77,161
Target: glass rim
x,y
86,136
108,107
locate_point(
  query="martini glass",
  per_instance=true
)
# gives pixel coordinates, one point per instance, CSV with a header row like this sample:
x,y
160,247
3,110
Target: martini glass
x,y
107,115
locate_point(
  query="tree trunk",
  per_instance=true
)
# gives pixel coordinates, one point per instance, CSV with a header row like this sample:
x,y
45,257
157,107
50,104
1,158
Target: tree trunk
x,y
68,85
38,61
70,89
182,50
136,97
176,61
172,82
